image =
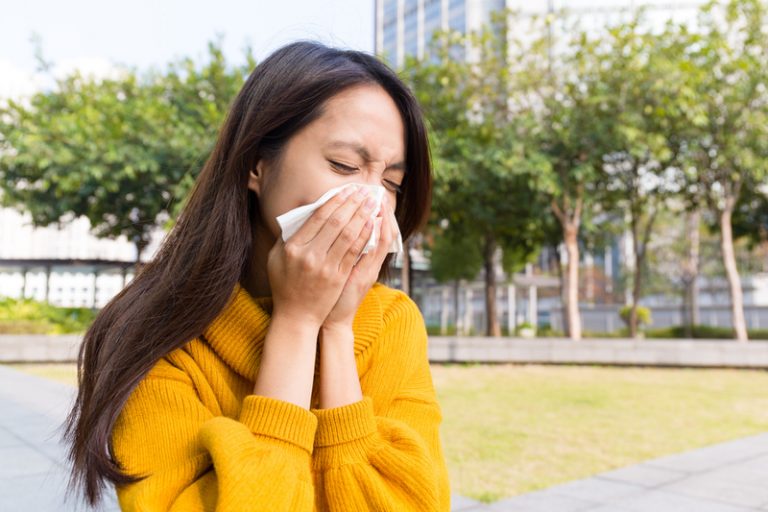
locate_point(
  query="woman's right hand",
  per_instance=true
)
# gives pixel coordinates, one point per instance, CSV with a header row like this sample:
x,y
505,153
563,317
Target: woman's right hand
x,y
307,273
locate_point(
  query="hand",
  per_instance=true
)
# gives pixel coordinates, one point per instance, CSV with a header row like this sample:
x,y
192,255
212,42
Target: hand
x,y
363,274
308,271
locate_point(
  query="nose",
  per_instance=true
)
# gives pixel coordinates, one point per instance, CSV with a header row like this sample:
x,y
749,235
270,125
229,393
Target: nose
x,y
373,176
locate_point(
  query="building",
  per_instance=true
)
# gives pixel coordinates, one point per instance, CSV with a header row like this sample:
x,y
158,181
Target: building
x,y
66,265
405,27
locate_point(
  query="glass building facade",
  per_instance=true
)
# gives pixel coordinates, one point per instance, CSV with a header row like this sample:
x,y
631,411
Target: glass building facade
x,y
405,27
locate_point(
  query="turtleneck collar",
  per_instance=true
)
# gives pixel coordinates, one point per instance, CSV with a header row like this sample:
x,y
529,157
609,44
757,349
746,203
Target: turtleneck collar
x,y
237,333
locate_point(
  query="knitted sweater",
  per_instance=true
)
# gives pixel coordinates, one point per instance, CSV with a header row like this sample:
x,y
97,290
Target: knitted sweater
x,y
207,443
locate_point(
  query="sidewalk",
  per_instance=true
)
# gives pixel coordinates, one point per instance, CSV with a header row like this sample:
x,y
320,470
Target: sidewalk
x,y
33,474
727,477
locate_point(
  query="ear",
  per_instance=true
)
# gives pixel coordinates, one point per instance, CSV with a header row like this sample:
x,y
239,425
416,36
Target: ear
x,y
256,177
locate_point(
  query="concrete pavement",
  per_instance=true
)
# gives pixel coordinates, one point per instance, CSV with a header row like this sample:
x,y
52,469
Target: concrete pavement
x,y
727,477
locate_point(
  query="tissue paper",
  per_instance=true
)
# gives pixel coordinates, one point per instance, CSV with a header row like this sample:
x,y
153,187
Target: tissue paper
x,y
292,220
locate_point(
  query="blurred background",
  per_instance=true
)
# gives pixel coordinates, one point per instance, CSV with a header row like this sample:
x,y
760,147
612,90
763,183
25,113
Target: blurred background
x,y
594,276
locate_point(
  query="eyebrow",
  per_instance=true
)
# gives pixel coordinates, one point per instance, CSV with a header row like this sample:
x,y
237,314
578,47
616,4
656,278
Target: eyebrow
x,y
363,152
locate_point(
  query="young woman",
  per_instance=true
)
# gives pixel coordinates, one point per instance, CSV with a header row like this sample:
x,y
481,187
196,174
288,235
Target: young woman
x,y
238,371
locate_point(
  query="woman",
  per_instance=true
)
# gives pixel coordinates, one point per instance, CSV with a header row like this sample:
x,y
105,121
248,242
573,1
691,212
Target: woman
x,y
238,371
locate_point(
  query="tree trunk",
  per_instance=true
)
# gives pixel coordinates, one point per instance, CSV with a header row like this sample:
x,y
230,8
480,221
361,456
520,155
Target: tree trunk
x,y
570,236
589,279
492,327
634,221
444,297
561,291
405,271
138,265
691,273
635,296
635,275
457,318
729,261
640,241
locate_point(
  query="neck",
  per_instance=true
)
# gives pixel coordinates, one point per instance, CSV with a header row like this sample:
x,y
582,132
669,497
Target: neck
x,y
256,280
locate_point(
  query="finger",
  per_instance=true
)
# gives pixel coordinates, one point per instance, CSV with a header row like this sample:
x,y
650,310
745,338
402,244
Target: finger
x,y
386,234
350,233
314,224
353,256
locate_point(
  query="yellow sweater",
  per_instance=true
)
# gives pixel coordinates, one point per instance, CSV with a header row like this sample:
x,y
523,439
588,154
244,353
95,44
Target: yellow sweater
x,y
207,443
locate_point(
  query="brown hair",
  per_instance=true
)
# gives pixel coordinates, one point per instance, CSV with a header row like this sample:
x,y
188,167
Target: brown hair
x,y
181,290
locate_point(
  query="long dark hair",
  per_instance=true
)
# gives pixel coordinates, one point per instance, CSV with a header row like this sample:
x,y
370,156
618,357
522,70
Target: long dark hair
x,y
176,295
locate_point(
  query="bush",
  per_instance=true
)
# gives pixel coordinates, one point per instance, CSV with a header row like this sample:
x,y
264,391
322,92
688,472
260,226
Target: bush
x,y
434,330
704,332
27,316
643,315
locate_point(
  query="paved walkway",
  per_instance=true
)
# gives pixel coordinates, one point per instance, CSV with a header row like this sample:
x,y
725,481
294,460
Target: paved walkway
x,y
728,477
33,473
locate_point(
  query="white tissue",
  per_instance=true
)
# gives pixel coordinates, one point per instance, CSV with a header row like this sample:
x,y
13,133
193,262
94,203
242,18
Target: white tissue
x,y
292,220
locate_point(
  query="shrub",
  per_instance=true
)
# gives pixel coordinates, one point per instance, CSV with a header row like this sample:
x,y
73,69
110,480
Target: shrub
x,y
704,332
28,316
643,315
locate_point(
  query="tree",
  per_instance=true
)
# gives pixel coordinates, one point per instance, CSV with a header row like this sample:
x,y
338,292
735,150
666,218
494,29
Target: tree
x,y
118,151
454,257
574,132
483,160
728,147
643,81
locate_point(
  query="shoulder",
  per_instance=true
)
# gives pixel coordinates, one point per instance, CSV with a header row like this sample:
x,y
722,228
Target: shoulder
x,y
396,305
401,348
404,332
177,366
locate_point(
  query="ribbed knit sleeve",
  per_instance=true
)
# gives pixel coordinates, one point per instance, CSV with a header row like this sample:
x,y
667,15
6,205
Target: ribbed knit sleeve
x,y
196,460
386,456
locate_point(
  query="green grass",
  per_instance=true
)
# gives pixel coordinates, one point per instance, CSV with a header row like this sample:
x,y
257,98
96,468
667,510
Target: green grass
x,y
509,429
512,429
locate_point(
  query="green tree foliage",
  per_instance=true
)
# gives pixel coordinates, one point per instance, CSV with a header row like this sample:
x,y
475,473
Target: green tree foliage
x,y
727,142
483,162
121,151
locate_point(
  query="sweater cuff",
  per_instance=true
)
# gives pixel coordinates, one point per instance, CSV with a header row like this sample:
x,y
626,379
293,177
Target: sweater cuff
x,y
346,423
279,419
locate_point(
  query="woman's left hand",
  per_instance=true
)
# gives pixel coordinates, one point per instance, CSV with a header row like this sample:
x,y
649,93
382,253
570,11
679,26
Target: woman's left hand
x,y
363,274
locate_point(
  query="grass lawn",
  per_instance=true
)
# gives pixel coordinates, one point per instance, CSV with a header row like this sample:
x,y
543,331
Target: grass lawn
x,y
509,429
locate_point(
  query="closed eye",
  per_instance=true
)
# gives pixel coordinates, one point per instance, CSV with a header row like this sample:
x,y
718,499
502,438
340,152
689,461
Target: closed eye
x,y
349,170
342,166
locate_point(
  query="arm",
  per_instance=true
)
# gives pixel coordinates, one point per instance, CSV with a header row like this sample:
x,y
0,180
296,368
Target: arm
x,y
195,460
287,366
339,383
385,455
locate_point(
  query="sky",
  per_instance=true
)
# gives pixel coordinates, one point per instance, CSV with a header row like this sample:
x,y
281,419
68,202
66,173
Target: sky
x,y
93,36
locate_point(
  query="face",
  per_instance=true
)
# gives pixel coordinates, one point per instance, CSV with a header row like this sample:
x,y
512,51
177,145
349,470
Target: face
x,y
360,138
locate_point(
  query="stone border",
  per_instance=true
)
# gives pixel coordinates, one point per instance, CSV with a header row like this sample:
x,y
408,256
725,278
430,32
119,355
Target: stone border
x,y
614,351
39,348
478,349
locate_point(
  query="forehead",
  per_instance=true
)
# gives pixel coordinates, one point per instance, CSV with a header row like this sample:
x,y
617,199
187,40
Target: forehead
x,y
365,115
